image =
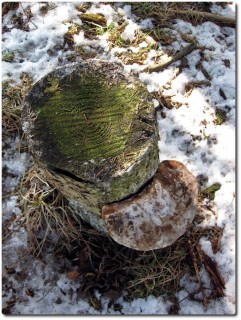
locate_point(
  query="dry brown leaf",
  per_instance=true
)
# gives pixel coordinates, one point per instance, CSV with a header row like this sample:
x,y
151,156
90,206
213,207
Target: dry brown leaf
x,y
73,275
112,294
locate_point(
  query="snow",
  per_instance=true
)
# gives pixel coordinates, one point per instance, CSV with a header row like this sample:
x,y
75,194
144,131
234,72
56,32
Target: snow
x,y
155,80
41,50
35,46
228,11
129,32
10,208
14,162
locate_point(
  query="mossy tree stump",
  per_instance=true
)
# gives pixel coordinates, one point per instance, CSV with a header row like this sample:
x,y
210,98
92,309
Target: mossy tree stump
x,y
94,127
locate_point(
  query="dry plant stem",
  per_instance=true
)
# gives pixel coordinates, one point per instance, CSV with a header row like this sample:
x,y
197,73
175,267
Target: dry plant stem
x,y
211,268
194,14
200,67
178,70
197,273
45,213
28,18
178,56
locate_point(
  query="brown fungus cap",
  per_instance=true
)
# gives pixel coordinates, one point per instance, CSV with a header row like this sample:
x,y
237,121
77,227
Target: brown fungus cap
x,y
158,215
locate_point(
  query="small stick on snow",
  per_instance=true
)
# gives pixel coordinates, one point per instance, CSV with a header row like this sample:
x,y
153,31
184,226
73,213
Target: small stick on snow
x,y
202,15
28,16
178,56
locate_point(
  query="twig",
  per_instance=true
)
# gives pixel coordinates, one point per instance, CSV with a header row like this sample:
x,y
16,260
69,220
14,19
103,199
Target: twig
x,y
212,270
45,294
204,300
28,16
178,56
200,67
207,16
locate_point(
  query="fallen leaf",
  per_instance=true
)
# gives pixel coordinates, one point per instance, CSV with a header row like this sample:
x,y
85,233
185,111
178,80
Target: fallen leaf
x,y
112,294
94,302
29,292
73,275
58,301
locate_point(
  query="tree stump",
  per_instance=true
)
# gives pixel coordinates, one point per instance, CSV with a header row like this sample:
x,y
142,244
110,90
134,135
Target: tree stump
x,y
94,127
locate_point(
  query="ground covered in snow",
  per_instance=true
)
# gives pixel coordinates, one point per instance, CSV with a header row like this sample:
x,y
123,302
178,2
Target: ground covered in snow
x,y
196,123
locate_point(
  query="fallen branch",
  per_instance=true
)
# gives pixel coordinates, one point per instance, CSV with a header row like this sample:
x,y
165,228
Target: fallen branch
x,y
198,15
178,56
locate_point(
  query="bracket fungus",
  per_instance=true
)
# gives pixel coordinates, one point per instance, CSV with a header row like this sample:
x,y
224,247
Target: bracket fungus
x,y
158,215
93,126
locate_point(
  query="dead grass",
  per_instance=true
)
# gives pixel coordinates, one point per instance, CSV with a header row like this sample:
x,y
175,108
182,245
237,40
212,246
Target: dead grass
x,y
47,219
12,99
159,11
115,39
8,6
139,57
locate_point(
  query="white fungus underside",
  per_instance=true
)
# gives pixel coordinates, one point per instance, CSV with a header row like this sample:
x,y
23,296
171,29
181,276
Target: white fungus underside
x,y
157,210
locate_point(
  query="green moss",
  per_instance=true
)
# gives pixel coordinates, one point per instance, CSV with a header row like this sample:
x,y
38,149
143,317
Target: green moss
x,y
210,191
8,57
87,118
119,190
53,85
97,18
221,117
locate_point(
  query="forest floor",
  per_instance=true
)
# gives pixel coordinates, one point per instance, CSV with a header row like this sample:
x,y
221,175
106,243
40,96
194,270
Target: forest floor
x,y
54,265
